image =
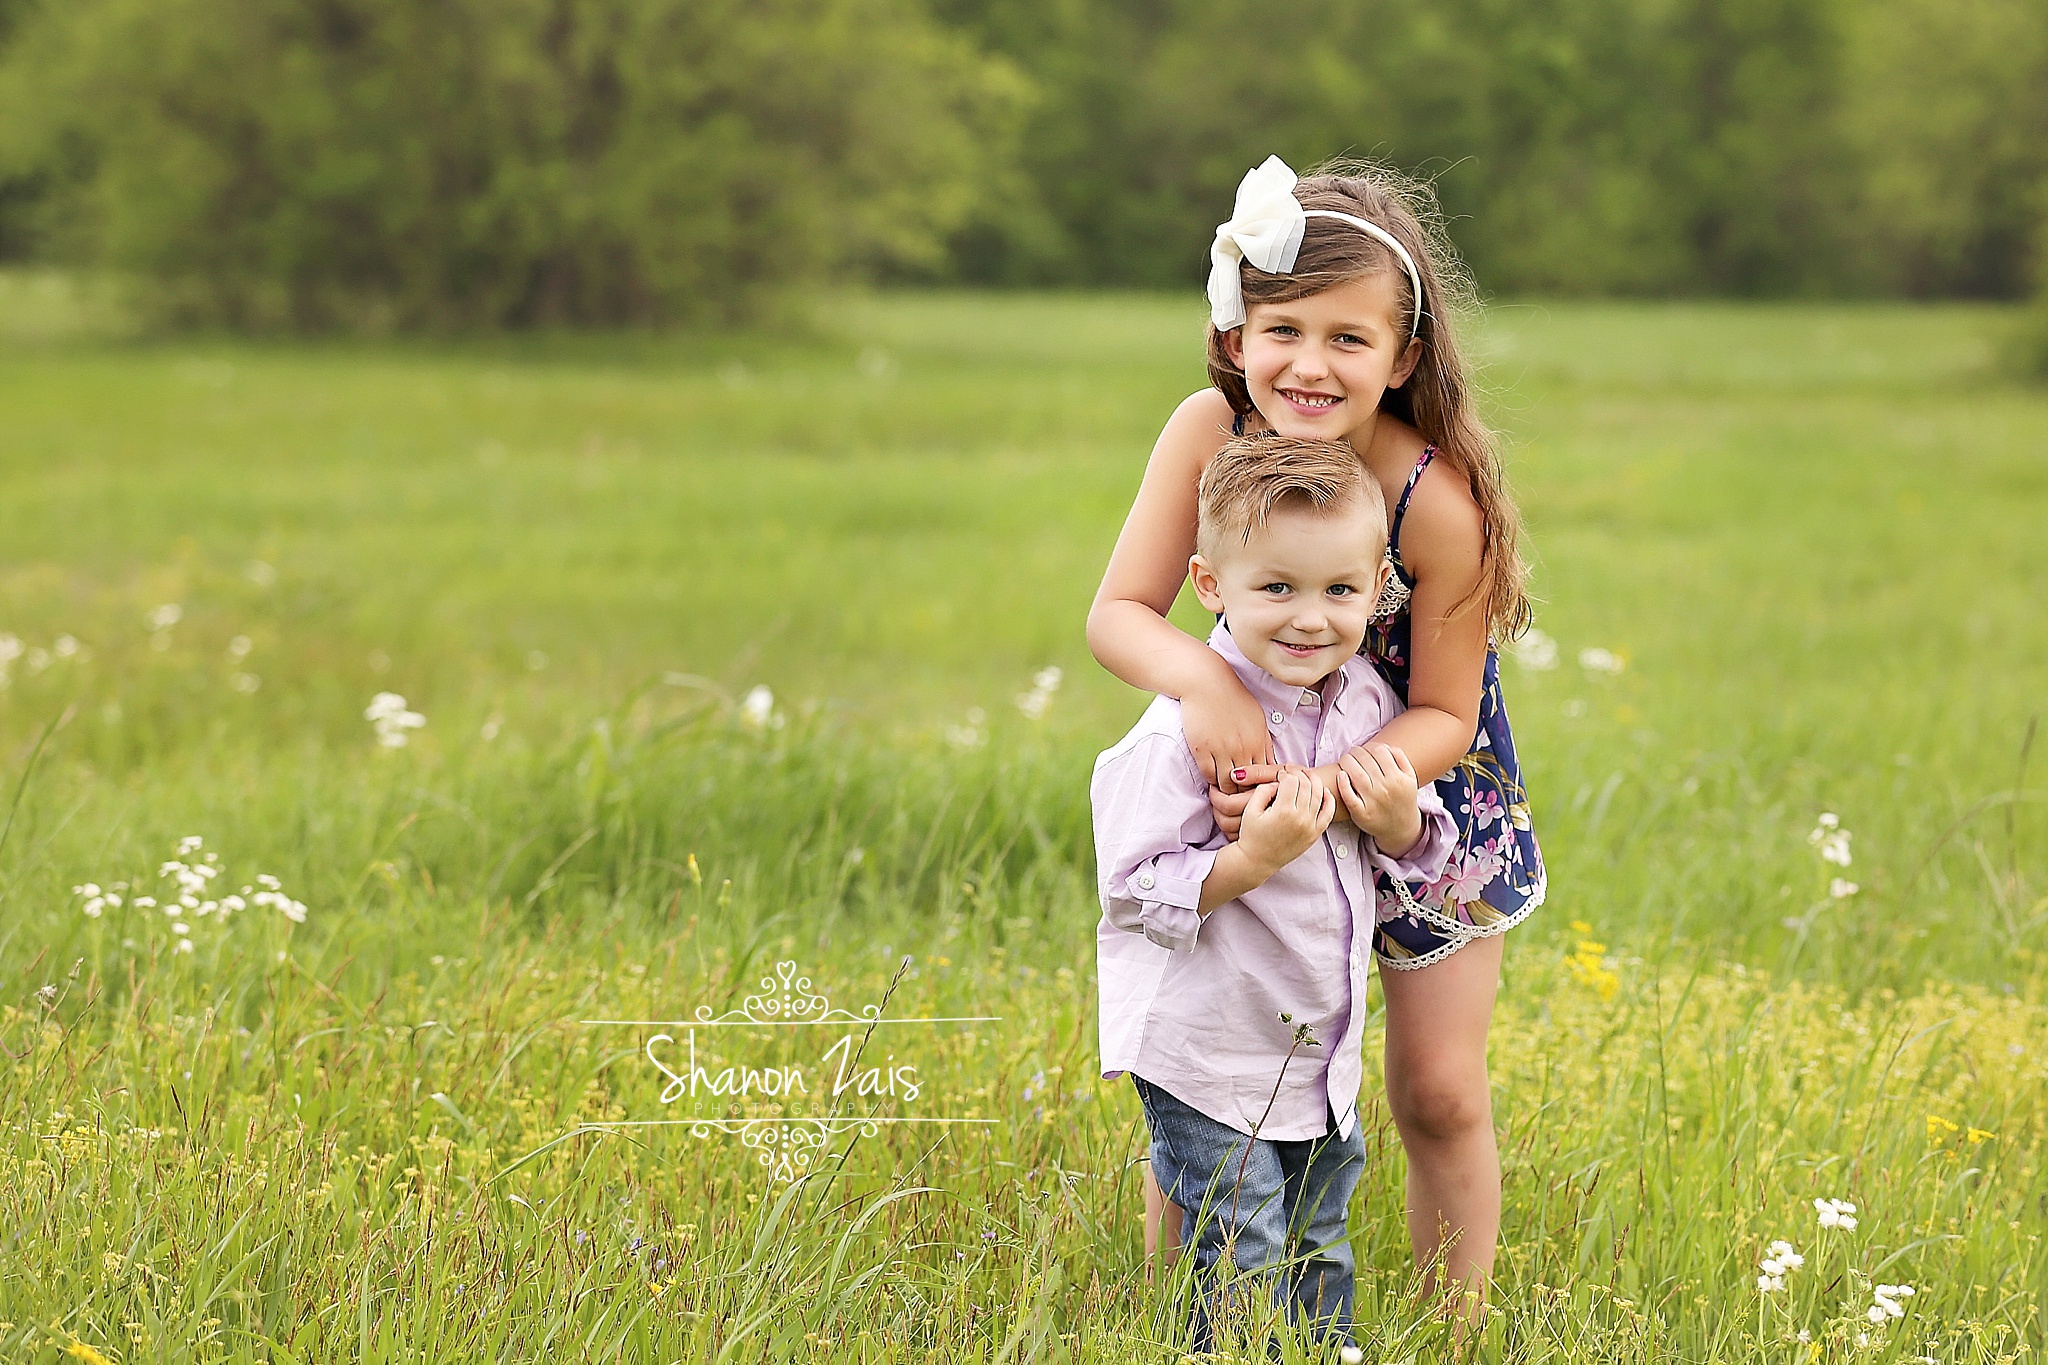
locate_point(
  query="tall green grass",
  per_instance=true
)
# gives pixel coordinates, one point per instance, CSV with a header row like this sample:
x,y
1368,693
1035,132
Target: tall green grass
x,y
1810,534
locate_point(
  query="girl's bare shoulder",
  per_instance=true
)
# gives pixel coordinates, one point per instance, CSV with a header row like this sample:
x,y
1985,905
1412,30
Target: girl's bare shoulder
x,y
1197,429
1444,527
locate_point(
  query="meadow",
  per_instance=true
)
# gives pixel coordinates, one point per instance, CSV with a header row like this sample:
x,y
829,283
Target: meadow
x,y
725,651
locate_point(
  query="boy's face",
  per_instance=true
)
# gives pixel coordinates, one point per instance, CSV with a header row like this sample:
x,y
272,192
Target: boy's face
x,y
1298,594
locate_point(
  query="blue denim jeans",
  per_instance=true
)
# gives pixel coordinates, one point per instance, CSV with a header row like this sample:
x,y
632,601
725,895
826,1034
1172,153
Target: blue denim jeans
x,y
1279,1212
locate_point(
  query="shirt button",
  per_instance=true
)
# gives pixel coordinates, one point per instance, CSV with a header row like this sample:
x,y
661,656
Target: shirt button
x,y
1343,850
1279,719
1309,698
1145,882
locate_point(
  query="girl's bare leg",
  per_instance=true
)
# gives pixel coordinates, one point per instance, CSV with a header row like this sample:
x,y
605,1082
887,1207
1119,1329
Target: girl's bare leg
x,y
1442,1104
1162,1224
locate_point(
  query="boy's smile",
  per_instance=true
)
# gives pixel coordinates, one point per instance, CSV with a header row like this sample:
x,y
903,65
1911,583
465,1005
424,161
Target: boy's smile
x,y
1297,595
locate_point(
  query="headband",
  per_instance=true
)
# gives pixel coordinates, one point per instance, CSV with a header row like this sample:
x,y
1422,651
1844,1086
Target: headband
x,y
1265,228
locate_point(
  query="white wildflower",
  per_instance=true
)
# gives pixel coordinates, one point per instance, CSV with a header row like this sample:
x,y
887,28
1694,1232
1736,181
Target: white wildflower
x,y
65,646
164,617
1841,888
1350,1355
971,734
1779,1261
1830,839
239,647
1836,1213
10,648
1535,651
1044,683
757,710
259,573
1597,660
388,715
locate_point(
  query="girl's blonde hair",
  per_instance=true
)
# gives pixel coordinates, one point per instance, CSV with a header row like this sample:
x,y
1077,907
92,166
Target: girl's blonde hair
x,y
1437,400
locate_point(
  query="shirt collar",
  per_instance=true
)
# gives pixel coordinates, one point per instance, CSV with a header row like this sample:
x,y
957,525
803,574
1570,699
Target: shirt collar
x,y
1274,695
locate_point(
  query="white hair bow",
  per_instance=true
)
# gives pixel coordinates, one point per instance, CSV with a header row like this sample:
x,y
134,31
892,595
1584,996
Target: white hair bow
x,y
1265,228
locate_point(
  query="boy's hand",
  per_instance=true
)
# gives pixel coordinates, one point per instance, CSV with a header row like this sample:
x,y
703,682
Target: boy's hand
x,y
1228,807
1284,818
1379,789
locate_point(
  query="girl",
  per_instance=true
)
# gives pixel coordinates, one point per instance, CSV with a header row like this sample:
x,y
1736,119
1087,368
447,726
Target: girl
x,y
1330,317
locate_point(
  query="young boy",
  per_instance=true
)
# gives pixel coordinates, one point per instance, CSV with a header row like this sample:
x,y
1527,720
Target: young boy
x,y
1232,975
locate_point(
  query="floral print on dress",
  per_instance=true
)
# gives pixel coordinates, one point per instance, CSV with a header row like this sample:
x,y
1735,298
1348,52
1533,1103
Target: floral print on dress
x,y
1495,875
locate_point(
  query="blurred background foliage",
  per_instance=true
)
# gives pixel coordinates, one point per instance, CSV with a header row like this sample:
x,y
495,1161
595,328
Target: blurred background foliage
x,y
438,164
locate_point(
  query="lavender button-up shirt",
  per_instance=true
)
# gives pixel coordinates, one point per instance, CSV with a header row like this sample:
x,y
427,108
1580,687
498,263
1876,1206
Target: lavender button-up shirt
x,y
1193,1005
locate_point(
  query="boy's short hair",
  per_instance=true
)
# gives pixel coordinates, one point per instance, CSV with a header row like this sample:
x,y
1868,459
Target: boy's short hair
x,y
1252,475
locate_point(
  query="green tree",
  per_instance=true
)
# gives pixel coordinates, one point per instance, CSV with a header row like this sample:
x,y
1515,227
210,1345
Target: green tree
x,y
386,163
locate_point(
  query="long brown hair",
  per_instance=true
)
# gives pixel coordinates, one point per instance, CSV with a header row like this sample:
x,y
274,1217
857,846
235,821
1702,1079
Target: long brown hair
x,y
1437,400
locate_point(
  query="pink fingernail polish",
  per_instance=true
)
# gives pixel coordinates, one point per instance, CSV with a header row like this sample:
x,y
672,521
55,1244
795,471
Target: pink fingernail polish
x,y
1237,774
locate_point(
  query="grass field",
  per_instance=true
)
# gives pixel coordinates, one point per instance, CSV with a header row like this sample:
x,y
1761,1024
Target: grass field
x,y
1809,536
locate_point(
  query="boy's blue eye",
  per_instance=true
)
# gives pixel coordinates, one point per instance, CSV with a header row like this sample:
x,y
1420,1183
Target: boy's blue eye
x,y
1342,589
1275,588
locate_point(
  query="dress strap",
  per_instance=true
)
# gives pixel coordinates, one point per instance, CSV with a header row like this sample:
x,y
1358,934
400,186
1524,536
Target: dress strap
x,y
1401,507
1237,424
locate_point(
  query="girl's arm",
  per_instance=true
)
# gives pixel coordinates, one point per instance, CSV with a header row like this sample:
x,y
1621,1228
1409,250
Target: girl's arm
x,y
1440,543
1127,627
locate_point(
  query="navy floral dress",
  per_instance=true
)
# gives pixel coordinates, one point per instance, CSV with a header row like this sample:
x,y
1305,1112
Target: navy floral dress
x,y
1494,878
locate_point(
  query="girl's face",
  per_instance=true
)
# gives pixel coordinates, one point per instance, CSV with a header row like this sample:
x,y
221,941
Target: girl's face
x,y
1316,367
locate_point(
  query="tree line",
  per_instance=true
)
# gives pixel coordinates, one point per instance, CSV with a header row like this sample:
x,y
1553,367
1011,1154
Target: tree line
x,y
444,164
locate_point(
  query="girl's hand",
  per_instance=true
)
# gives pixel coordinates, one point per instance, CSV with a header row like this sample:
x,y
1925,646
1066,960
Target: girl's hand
x,y
1226,732
1380,790
1282,820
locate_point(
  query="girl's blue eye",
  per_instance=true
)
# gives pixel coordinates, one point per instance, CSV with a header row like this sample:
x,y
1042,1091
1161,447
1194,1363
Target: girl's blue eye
x,y
1275,588
1342,589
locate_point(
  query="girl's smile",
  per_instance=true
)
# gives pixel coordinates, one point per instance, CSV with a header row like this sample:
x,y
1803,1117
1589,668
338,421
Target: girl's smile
x,y
1317,366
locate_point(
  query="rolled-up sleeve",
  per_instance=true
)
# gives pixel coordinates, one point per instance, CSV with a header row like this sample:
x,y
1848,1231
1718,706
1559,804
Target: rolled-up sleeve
x,y
1425,861
1155,839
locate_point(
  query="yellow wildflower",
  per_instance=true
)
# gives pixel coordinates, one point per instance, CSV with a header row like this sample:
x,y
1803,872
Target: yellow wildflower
x,y
1977,1135
1939,1128
1588,967
85,1353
